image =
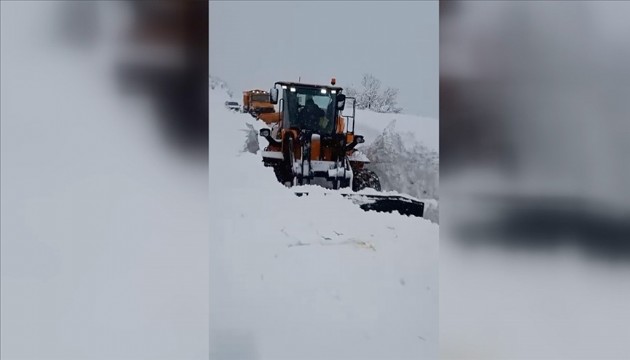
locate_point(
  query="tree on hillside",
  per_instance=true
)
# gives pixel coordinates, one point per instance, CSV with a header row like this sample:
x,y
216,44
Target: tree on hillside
x,y
388,101
370,97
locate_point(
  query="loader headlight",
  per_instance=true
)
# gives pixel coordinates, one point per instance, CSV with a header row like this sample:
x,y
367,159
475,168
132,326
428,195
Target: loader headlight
x,y
359,139
265,132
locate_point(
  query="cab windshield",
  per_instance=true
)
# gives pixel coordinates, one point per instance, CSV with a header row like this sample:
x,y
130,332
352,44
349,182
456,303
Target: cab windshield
x,y
260,97
311,109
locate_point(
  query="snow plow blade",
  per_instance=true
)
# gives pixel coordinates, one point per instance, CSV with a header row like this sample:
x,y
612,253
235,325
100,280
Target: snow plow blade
x,y
384,203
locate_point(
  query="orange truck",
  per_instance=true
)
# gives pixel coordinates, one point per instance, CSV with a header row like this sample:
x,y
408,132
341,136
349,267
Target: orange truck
x,y
257,102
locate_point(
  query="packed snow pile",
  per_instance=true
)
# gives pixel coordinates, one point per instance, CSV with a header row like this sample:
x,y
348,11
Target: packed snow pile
x,y
403,150
312,277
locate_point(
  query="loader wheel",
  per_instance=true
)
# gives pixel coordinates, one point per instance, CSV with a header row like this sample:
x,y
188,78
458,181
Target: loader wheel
x,y
285,168
280,172
365,179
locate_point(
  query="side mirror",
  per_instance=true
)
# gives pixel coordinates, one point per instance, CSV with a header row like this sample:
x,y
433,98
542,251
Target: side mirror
x,y
273,95
265,132
358,138
341,101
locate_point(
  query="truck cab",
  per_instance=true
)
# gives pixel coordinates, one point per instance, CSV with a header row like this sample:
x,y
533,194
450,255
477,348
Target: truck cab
x,y
257,102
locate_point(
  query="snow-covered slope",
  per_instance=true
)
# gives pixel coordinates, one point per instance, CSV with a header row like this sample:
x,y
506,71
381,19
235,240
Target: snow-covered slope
x,y
310,277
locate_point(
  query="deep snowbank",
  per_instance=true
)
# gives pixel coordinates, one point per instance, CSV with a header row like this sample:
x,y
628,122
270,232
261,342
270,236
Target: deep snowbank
x,y
311,277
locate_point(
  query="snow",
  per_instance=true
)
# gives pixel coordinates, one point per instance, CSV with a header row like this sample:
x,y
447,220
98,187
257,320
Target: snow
x,y
311,277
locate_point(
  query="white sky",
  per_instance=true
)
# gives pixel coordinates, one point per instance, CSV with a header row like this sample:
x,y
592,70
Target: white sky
x,y
255,43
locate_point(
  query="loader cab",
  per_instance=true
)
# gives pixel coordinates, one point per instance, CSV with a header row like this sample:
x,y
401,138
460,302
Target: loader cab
x,y
308,107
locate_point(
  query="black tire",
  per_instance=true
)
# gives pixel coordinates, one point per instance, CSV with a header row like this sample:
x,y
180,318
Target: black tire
x,y
281,173
285,169
365,179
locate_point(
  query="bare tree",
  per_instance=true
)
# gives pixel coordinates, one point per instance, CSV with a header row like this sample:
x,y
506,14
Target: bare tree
x,y
387,103
351,92
369,96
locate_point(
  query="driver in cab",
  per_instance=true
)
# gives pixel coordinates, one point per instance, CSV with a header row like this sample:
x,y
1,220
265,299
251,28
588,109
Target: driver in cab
x,y
313,117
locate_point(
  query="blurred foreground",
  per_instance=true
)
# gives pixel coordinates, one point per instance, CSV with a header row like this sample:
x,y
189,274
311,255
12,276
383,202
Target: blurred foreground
x,y
104,180
535,240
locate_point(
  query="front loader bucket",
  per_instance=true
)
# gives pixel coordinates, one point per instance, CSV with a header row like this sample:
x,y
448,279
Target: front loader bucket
x,y
384,203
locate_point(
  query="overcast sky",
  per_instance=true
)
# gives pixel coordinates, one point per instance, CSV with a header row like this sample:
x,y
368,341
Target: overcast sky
x,y
256,43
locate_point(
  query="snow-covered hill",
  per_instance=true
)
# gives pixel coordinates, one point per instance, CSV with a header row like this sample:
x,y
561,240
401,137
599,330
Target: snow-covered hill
x,y
310,277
